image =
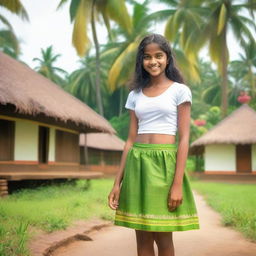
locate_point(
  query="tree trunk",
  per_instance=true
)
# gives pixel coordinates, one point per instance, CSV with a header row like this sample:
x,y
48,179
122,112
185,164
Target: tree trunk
x,y
121,99
252,82
97,71
224,77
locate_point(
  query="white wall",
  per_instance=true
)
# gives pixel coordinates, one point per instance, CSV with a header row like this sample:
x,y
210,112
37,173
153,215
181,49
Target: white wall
x,y
254,157
52,145
26,141
220,157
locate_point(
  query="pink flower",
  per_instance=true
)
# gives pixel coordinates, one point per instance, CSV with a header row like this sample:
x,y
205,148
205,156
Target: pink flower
x,y
199,122
243,97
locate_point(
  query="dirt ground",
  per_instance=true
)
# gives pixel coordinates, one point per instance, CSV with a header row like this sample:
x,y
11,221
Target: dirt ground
x,y
212,239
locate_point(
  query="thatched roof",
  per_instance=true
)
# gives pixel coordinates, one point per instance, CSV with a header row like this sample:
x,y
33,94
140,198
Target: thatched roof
x,y
237,128
33,95
102,141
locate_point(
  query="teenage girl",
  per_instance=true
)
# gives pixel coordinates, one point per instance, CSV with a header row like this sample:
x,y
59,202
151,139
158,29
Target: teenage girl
x,y
151,192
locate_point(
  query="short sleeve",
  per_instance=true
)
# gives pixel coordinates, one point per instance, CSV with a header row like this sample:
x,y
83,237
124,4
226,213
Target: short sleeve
x,y
184,94
130,102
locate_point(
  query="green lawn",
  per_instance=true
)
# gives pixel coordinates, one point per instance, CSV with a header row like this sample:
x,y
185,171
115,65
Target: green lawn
x,y
49,208
55,207
235,202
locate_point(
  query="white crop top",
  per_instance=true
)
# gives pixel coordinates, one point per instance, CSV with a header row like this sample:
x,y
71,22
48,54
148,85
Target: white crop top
x,y
158,114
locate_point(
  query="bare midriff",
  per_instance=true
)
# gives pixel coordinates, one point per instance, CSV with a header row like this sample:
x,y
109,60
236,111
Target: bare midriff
x,y
155,138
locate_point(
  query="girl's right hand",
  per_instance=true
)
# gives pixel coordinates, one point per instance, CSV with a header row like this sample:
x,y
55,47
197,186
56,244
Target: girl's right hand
x,y
113,198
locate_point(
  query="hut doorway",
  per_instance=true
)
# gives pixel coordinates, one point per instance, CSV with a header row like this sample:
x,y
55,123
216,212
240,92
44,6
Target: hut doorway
x,y
244,158
6,140
43,144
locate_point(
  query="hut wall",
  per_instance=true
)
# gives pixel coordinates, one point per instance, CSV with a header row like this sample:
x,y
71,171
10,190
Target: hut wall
x,y
52,145
220,157
26,141
254,157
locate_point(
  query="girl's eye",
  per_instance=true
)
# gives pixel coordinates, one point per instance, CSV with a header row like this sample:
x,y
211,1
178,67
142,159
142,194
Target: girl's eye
x,y
146,57
159,56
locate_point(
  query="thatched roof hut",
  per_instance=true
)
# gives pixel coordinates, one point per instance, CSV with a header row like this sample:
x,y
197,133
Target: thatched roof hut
x,y
237,128
25,93
230,146
101,151
102,141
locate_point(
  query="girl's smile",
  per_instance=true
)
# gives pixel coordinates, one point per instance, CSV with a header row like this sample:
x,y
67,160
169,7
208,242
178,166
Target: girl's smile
x,y
154,60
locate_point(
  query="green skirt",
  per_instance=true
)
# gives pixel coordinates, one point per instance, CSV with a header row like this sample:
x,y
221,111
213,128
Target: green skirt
x,y
143,201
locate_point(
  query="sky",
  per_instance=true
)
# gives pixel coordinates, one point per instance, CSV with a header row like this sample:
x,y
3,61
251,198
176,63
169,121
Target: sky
x,y
47,26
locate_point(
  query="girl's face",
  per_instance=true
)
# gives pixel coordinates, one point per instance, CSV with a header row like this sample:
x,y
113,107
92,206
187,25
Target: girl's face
x,y
154,60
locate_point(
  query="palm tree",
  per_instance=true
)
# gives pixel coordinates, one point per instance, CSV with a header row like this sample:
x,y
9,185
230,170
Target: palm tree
x,y
222,16
8,40
198,22
85,12
46,67
81,81
242,69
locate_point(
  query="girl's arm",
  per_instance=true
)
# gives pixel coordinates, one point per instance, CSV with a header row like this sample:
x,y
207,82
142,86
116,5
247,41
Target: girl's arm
x,y
114,194
175,195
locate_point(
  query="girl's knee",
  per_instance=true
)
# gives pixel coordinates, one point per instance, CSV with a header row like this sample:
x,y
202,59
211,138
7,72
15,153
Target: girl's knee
x,y
163,239
144,237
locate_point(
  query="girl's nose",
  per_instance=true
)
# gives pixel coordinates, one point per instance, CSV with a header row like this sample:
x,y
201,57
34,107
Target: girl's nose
x,y
153,61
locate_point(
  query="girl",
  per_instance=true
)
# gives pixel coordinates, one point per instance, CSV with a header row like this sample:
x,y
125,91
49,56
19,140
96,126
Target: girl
x,y
155,196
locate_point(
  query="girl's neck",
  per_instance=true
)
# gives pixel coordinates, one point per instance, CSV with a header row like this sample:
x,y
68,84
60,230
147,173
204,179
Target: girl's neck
x,y
159,81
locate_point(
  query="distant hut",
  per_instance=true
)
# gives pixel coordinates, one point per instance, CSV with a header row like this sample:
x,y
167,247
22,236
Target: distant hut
x,y
230,146
101,152
40,125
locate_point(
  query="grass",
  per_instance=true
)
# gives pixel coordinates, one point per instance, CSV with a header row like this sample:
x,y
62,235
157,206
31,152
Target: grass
x,y
50,208
235,202
55,207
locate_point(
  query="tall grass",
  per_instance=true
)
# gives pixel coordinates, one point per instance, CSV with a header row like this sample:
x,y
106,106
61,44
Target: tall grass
x,y
235,202
49,208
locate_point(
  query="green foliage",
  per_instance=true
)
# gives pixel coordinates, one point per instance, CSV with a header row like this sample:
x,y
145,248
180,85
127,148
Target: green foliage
x,y
235,202
46,66
50,208
121,124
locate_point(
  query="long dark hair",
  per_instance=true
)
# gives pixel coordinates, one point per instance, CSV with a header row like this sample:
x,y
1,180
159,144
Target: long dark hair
x,y
141,77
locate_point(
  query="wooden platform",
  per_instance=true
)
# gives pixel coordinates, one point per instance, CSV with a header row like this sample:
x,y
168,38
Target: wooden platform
x,y
236,177
49,175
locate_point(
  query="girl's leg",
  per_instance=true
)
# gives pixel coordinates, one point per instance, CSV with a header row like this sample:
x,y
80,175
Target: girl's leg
x,y
164,243
145,243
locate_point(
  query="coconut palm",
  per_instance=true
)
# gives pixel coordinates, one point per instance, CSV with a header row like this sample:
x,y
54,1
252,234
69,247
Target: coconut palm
x,y
242,70
81,81
85,12
223,16
8,40
198,22
46,66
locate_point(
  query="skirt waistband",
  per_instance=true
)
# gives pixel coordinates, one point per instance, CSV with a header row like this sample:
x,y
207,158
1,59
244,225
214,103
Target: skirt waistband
x,y
154,146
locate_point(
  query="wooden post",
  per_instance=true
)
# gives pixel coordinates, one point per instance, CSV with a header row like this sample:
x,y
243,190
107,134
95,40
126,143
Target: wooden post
x,y
86,159
3,187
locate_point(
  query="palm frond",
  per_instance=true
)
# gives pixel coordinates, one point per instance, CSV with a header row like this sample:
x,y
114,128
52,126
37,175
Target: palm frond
x,y
80,39
118,12
9,40
189,69
16,7
118,65
5,22
222,19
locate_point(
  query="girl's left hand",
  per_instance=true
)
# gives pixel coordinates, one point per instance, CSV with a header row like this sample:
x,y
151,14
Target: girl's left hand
x,y
175,197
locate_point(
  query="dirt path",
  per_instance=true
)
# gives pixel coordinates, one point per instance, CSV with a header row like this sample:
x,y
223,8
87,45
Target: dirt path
x,y
211,240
